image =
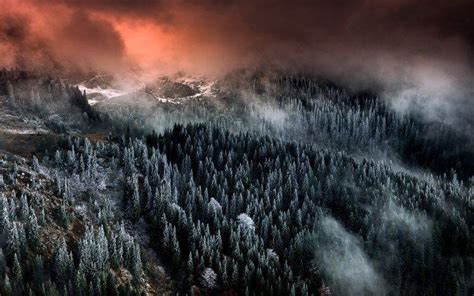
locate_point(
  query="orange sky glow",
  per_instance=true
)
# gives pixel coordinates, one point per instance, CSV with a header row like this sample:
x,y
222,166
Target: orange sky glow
x,y
213,37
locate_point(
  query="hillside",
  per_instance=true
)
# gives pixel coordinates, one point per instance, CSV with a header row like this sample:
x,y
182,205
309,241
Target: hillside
x,y
263,184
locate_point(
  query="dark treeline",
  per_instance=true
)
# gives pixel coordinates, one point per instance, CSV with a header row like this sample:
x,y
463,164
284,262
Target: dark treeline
x,y
54,100
255,215
245,196
359,120
58,231
272,196
297,108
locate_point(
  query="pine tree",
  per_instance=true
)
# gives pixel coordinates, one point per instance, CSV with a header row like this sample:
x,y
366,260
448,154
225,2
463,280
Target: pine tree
x,y
33,230
24,207
80,281
63,263
12,240
175,249
4,215
135,203
3,262
38,272
11,94
17,275
7,288
136,267
36,165
58,158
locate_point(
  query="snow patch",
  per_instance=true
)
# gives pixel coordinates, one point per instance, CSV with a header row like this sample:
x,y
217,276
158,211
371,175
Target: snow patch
x,y
167,100
106,92
204,86
25,131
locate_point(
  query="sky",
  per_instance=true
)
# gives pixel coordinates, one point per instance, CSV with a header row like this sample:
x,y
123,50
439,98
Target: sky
x,y
403,47
216,36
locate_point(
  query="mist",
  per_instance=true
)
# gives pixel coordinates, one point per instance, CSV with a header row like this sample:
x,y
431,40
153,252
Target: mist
x,y
416,55
345,262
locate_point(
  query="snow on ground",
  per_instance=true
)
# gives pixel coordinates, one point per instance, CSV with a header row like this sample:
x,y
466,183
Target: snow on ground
x,y
108,93
92,102
25,131
202,84
167,100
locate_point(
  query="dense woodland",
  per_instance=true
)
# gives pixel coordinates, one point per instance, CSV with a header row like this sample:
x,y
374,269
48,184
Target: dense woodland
x,y
60,106
304,110
325,193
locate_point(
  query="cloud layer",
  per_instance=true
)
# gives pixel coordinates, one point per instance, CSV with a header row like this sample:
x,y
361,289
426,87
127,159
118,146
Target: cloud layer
x,y
407,48
224,34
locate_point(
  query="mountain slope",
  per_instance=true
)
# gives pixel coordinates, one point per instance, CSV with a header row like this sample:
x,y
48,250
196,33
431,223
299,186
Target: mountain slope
x,y
270,185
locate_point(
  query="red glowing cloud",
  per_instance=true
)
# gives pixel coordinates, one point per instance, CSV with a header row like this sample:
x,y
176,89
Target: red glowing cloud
x,y
209,36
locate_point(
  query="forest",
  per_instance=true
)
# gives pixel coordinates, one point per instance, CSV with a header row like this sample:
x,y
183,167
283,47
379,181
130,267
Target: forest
x,y
298,187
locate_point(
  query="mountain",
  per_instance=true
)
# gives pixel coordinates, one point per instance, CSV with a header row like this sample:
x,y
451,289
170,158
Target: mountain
x,y
172,89
99,88
256,183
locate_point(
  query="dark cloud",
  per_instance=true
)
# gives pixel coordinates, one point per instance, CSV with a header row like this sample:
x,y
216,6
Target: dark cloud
x,y
425,47
367,20
309,33
57,39
95,43
14,28
158,10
